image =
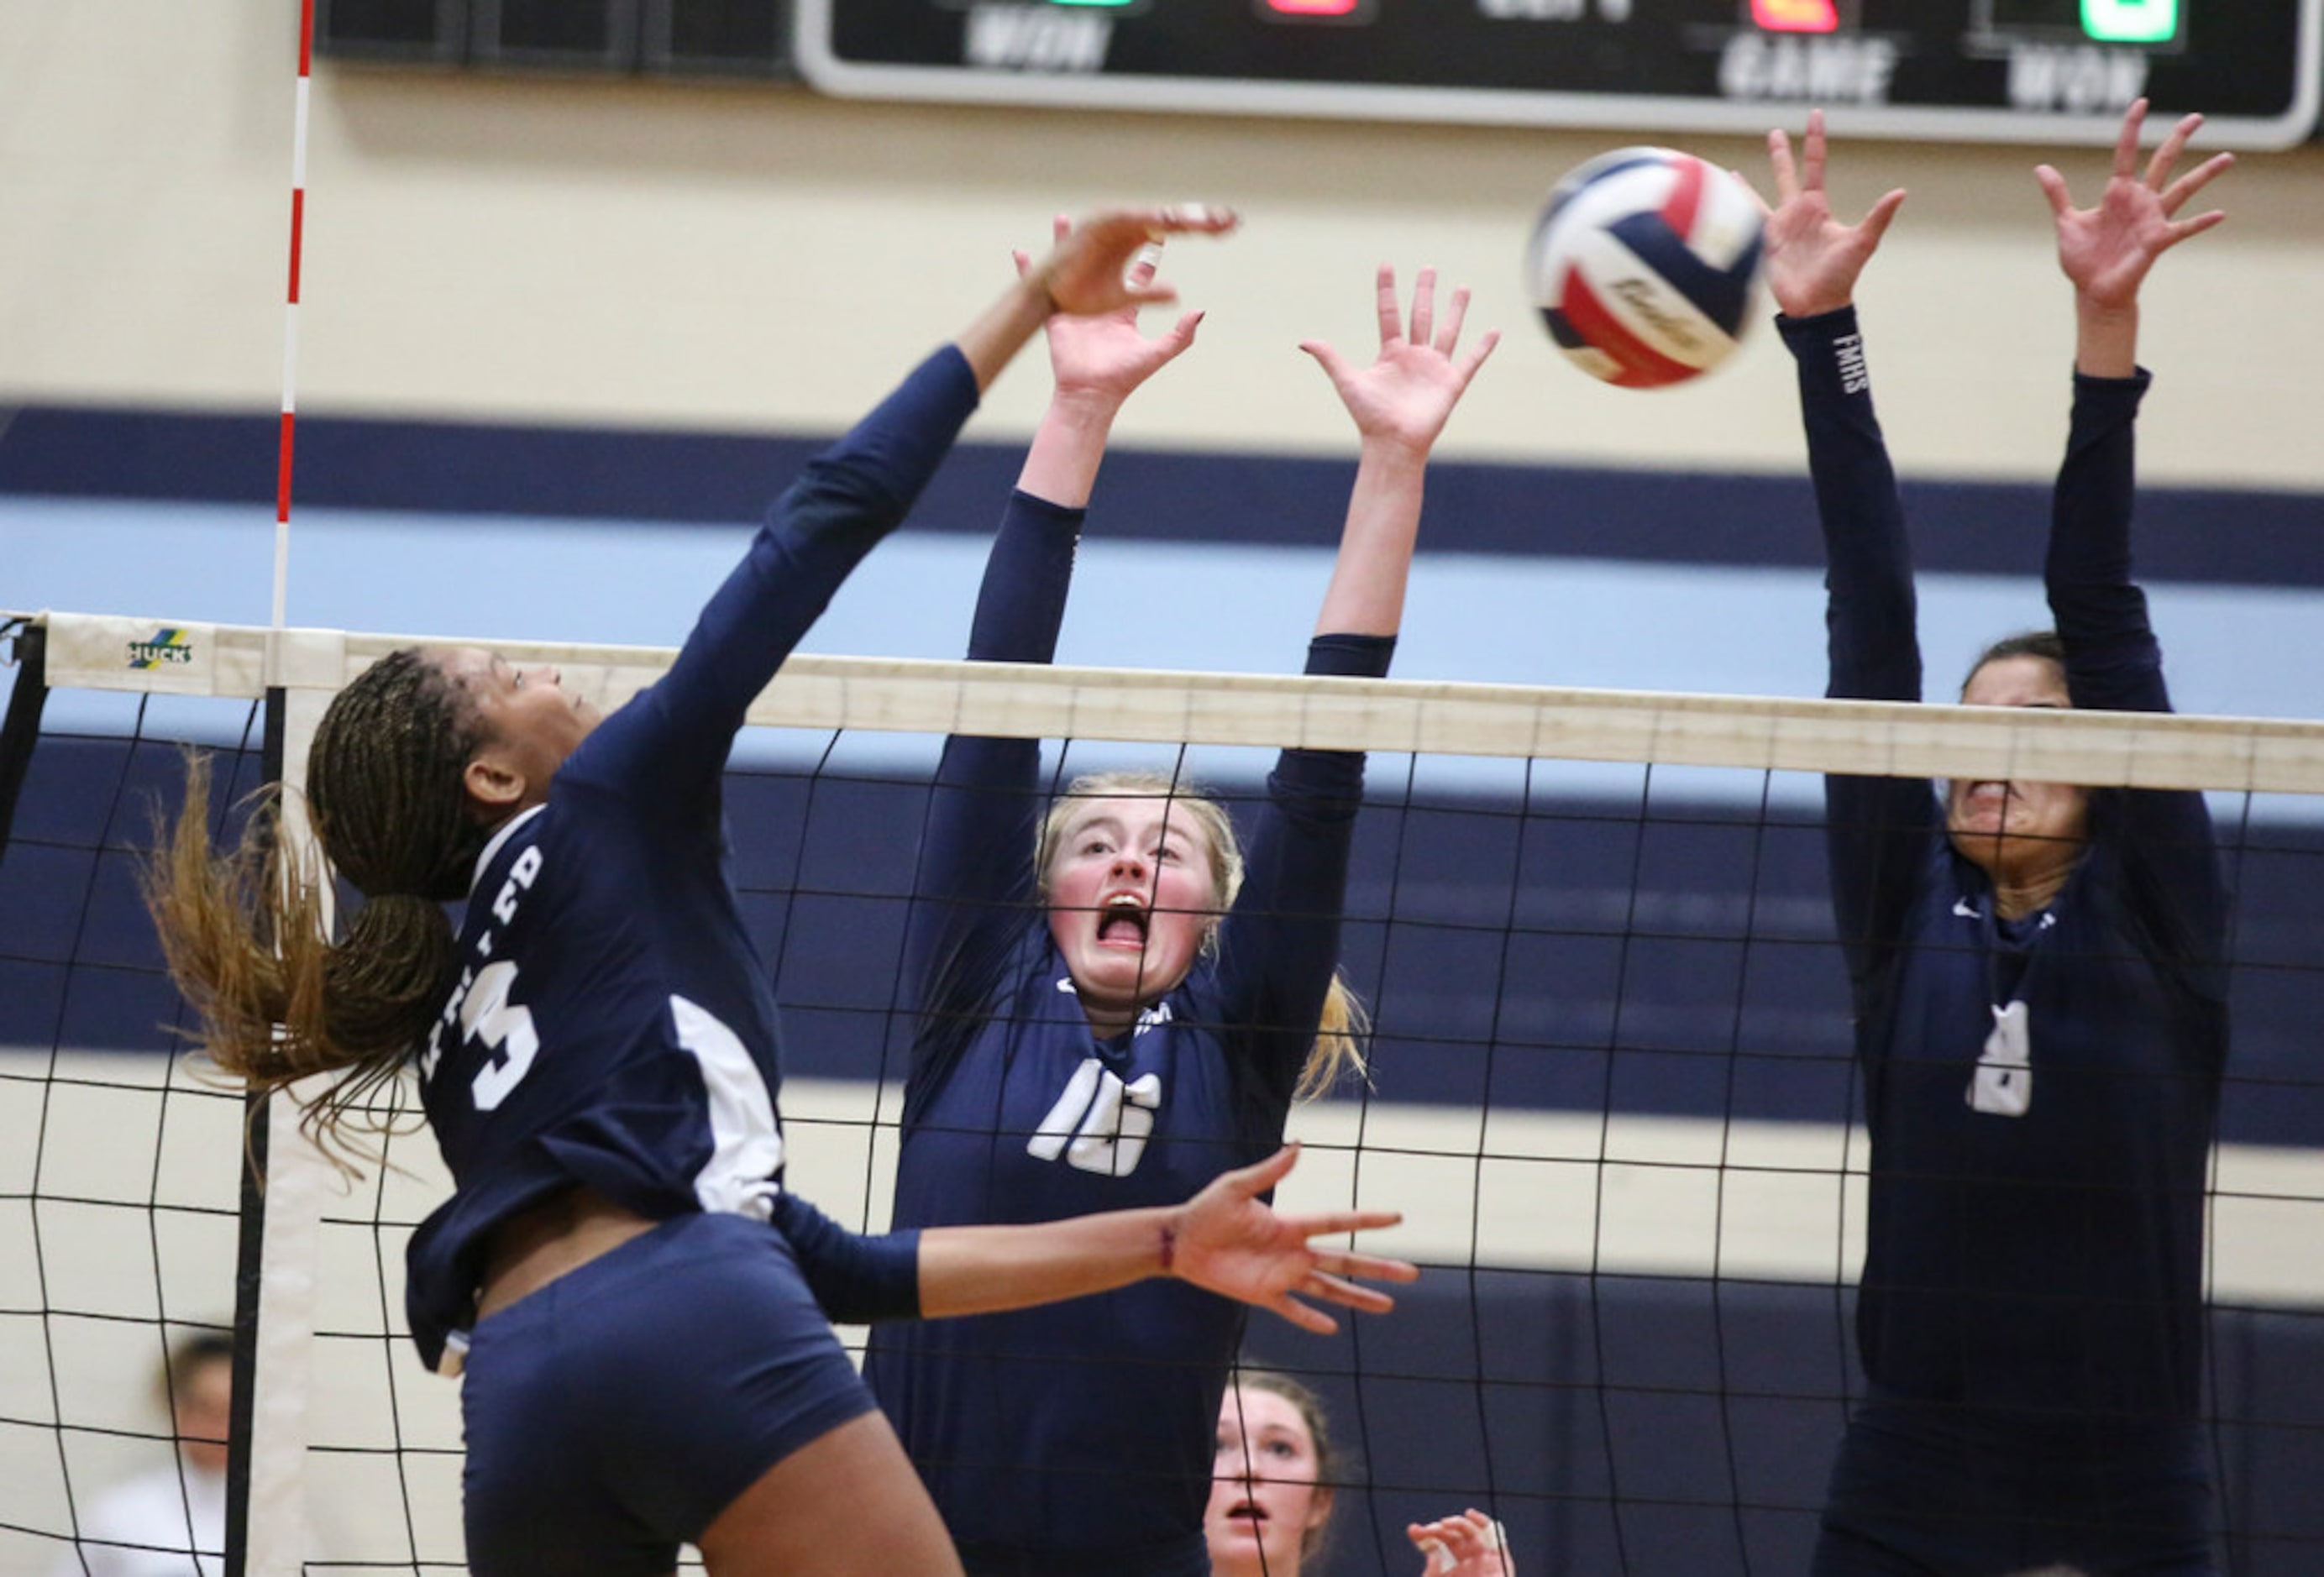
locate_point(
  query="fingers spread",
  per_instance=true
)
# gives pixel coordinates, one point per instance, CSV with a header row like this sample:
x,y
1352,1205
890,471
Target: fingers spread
x,y
1371,1266
1876,223
1779,158
1476,357
1344,1221
1448,332
2176,194
2126,146
2166,154
1424,307
1306,1318
1384,305
1331,1288
2053,187
1262,1175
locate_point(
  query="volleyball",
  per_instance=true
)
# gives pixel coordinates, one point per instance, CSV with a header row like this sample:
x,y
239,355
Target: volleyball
x,y
1646,265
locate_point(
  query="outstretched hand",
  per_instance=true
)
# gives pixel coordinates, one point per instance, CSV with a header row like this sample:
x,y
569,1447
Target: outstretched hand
x,y
1409,392
2107,251
1813,259
1228,1240
1088,271
1104,356
1472,1545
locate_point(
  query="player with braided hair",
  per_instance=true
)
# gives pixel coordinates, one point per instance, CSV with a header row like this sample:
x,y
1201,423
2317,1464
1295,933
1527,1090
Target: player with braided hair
x,y
643,1309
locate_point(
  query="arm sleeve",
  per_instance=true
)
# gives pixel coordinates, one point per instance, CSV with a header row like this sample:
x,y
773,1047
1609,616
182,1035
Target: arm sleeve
x,y
2114,662
975,879
1877,828
1279,945
858,1278
673,738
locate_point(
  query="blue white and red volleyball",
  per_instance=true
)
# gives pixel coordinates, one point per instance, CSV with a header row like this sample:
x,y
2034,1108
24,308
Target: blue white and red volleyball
x,y
1646,265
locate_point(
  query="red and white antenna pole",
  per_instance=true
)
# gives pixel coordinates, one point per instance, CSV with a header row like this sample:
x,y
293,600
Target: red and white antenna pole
x,y
290,322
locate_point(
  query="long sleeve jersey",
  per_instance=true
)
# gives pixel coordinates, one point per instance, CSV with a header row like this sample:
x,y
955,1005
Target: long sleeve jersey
x,y
1079,1437
2049,1259
613,1024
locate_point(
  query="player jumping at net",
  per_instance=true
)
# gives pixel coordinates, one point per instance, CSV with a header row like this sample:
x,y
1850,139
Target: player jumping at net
x,y
635,1292
1118,1005
2038,980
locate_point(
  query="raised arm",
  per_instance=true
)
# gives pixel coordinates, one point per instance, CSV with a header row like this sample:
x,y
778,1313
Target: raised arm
x,y
1813,262
975,873
2105,252
676,738
1399,405
1875,826
1280,945
1095,365
2112,658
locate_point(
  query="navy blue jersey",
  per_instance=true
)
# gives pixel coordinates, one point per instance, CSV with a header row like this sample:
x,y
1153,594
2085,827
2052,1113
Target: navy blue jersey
x,y
613,1026
2035,1250
1082,1433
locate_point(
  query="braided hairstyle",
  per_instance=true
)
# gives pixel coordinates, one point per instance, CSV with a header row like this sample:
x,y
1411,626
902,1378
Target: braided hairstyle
x,y
246,935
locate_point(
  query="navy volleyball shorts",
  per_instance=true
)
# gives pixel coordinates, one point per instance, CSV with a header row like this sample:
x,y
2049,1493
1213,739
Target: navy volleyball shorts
x,y
613,1414
1921,1490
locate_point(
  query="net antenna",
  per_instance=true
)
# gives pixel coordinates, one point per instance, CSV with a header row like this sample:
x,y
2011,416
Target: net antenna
x,y
286,1180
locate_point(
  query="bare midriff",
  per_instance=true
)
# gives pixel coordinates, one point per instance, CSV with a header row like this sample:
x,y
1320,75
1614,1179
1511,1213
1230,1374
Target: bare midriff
x,y
554,1237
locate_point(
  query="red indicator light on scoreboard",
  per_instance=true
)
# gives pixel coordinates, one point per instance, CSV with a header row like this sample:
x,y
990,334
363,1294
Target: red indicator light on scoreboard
x,y
1795,16
1339,9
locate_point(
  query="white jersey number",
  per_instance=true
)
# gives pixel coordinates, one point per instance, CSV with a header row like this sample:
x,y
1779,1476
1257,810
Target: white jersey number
x,y
2003,1083
1099,1124
488,1016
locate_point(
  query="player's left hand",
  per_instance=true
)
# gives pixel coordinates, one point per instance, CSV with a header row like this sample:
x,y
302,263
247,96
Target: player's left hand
x,y
2106,251
1228,1240
1103,359
1409,392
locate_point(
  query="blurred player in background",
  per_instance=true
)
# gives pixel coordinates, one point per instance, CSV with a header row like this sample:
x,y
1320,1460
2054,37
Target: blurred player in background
x,y
170,1522
1271,1491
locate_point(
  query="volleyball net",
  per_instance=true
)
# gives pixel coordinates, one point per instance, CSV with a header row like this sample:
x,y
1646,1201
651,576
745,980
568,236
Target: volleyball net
x,y
1613,1087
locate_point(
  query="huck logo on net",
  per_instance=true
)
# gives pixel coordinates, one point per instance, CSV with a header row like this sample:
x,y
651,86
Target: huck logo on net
x,y
166,646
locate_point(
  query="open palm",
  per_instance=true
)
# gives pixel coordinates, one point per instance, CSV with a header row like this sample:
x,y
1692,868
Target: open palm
x,y
1813,259
1409,390
2107,251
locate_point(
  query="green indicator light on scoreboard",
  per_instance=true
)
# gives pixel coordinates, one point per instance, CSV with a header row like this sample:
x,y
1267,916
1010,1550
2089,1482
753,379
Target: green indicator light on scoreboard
x,y
2131,21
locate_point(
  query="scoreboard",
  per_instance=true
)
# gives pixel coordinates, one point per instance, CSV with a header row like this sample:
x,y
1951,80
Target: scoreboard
x,y
2047,72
